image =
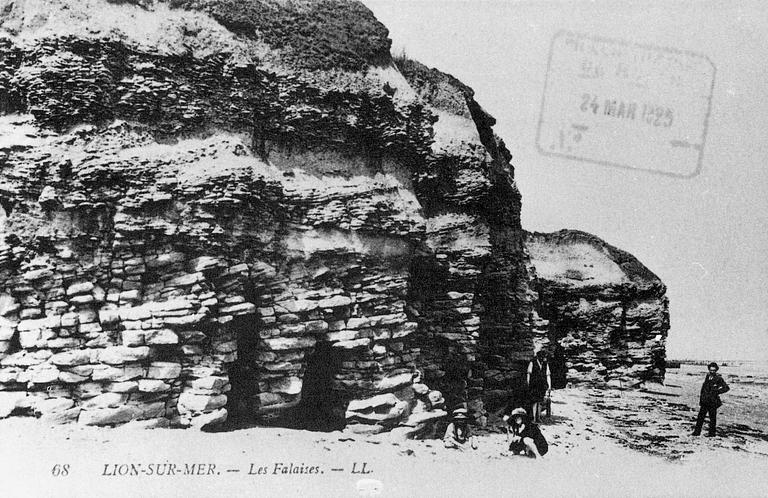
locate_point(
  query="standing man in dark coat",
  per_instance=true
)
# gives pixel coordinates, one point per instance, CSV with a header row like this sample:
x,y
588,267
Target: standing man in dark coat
x,y
713,387
539,381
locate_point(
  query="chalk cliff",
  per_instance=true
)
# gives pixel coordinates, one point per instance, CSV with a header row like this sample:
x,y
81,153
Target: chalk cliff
x,y
605,309
215,208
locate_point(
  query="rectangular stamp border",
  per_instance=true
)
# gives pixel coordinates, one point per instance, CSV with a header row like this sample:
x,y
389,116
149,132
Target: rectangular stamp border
x,y
625,43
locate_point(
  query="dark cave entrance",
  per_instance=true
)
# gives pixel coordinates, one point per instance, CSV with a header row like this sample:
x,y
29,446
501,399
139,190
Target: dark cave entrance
x,y
322,408
243,397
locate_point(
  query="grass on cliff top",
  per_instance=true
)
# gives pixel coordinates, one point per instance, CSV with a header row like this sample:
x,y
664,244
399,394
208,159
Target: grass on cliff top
x,y
320,34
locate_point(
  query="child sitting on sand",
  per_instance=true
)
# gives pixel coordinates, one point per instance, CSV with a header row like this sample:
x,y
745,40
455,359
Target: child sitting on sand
x,y
457,435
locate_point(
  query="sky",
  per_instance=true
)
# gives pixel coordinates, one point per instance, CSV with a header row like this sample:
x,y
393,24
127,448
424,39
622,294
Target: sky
x,y
704,236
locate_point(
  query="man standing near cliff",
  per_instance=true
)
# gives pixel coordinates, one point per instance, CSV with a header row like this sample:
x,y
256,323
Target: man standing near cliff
x,y
709,401
539,382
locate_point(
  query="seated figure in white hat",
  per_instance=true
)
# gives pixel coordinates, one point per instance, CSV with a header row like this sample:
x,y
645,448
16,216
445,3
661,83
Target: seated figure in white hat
x,y
458,434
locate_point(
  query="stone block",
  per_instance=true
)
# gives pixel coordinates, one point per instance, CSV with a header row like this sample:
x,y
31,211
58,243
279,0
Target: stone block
x,y
210,383
43,374
30,313
79,288
373,403
137,313
296,305
90,328
281,343
185,280
26,358
342,335
238,309
7,332
209,420
9,401
131,337
357,343
9,375
106,400
70,378
72,357
358,323
117,355
129,296
82,299
109,416
183,321
8,305
163,370
334,302
29,338
264,312
70,319
63,343
117,374
161,336
88,389
292,329
170,305
61,417
316,326
394,382
109,317
52,405
204,263
122,387
151,410
424,417
189,402
269,399
153,386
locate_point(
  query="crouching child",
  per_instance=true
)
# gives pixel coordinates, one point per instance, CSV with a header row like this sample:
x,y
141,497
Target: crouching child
x,y
524,436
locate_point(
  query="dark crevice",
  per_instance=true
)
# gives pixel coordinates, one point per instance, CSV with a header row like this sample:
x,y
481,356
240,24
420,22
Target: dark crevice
x,y
242,399
322,408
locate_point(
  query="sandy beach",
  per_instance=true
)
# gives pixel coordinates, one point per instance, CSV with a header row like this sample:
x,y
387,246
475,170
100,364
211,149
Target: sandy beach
x,y
612,442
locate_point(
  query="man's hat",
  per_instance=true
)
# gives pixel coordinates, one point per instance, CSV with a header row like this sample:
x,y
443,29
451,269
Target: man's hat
x,y
713,364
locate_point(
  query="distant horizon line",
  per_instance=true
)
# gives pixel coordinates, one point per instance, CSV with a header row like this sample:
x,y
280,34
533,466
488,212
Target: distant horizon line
x,y
718,360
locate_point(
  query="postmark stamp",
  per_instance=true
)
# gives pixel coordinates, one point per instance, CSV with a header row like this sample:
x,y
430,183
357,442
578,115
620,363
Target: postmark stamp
x,y
623,104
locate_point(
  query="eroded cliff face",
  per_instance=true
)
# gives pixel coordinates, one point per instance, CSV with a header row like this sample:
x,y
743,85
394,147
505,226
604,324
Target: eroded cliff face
x,y
207,211
248,209
607,311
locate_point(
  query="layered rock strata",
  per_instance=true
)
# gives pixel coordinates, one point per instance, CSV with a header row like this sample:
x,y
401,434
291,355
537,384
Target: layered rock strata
x,y
218,209
605,310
